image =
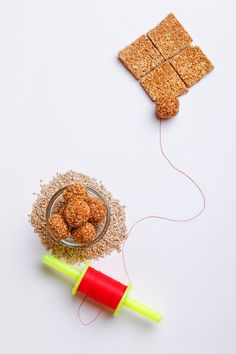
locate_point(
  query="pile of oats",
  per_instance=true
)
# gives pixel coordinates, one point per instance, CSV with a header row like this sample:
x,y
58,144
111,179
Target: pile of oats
x,y
113,238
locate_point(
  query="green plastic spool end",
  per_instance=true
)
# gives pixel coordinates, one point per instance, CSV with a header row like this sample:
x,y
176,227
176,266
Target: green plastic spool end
x,y
77,274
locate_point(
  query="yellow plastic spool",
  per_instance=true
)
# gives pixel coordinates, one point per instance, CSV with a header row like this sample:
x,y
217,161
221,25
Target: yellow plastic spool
x,y
77,274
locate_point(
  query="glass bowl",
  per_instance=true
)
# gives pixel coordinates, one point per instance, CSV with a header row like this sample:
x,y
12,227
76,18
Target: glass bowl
x,y
57,201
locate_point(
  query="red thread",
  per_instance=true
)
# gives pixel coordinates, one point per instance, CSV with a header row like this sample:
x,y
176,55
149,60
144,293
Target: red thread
x,y
163,217
94,319
102,288
148,218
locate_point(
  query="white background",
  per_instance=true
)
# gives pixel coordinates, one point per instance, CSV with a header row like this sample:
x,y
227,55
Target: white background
x,y
66,102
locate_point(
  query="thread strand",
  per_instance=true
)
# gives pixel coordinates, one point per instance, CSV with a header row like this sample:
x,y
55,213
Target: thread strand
x,y
159,217
79,313
150,217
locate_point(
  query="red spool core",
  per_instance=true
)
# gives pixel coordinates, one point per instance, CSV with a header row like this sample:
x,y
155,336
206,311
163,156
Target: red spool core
x,y
102,288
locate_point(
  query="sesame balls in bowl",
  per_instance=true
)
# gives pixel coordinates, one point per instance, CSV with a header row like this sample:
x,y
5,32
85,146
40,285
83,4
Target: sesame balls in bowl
x,y
77,216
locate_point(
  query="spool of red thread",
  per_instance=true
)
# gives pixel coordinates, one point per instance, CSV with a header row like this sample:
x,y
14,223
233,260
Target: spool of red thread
x,y
102,288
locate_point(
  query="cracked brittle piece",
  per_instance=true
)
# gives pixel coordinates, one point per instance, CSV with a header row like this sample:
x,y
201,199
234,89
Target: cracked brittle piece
x,y
140,57
163,79
192,65
169,36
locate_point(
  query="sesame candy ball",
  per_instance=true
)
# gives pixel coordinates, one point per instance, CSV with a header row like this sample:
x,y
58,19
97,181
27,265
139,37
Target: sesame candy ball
x,y
76,212
58,227
97,210
76,189
167,106
84,233
61,211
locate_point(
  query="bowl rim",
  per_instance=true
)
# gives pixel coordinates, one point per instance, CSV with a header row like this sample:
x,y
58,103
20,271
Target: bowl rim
x,y
73,245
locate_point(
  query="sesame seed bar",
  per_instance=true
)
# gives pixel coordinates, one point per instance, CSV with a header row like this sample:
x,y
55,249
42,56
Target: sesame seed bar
x,y
163,79
192,65
140,57
169,37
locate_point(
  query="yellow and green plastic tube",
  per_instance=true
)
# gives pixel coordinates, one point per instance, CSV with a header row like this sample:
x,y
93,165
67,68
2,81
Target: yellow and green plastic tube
x,y
78,275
